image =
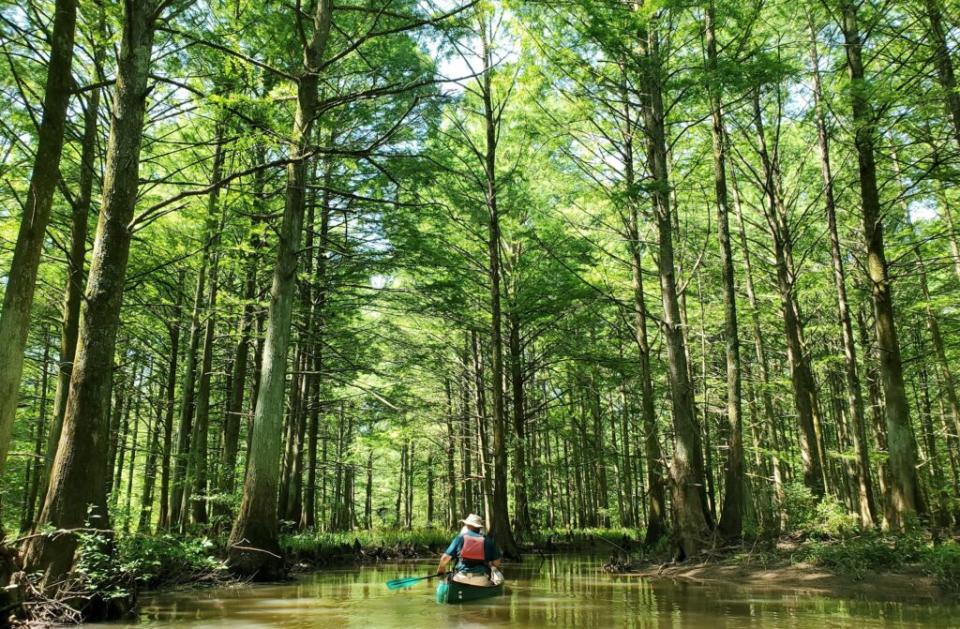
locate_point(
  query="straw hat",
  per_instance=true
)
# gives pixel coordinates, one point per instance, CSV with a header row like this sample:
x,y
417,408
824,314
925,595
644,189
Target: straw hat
x,y
473,521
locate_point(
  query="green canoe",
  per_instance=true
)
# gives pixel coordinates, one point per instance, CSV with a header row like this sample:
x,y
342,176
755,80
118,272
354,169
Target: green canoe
x,y
453,592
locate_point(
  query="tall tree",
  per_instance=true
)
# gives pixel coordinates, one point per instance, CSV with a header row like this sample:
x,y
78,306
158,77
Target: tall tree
x,y
906,497
77,478
500,526
686,468
731,518
254,545
852,379
22,279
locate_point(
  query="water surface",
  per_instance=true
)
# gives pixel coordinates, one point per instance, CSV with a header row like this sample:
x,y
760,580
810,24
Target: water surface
x,y
555,592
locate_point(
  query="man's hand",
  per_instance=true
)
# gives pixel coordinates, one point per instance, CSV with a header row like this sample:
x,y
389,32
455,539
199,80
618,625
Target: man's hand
x,y
441,570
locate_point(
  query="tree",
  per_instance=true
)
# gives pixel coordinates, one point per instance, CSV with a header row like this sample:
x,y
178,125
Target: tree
x,y
22,279
75,495
906,496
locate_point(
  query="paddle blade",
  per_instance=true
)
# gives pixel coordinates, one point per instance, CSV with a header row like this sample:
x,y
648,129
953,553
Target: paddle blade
x,y
397,584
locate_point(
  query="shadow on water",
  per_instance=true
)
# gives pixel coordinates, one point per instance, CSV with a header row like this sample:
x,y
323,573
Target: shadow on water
x,y
562,592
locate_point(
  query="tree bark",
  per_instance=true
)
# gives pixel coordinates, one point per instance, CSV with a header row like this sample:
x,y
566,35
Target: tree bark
x,y
241,359
521,508
188,400
656,492
198,450
150,469
804,386
73,294
173,330
35,467
760,354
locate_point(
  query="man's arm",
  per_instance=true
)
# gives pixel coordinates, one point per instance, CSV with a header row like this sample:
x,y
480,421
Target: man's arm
x,y
444,560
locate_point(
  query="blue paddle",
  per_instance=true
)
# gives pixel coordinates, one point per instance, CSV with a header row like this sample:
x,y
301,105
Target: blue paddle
x,y
397,584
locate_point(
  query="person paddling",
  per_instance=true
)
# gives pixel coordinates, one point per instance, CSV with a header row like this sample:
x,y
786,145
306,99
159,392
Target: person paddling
x,y
476,554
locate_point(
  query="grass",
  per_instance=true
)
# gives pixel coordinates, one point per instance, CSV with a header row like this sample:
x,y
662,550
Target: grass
x,y
436,539
338,542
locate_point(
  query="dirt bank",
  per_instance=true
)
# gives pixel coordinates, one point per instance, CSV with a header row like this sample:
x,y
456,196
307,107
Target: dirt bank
x,y
803,577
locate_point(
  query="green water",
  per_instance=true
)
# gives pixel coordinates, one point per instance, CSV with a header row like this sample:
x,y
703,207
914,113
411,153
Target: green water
x,y
556,592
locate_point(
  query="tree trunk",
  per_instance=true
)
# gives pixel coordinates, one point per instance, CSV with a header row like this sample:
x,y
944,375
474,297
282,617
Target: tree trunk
x,y
150,469
319,305
731,517
760,354
131,464
852,378
500,527
238,374
521,507
686,474
656,491
804,387
450,449
906,496
198,457
22,280
188,401
254,548
173,329
73,294
78,473
35,467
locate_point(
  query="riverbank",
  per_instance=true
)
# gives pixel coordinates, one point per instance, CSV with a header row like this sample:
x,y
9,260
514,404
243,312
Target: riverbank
x,y
804,578
896,568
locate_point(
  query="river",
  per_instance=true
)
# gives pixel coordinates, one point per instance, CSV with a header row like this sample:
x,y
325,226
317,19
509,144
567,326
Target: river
x,y
555,592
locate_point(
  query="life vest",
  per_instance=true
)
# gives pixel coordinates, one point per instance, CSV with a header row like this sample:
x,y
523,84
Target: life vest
x,y
473,548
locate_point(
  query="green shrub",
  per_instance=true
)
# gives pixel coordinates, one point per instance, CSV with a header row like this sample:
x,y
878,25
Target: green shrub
x,y
166,560
869,552
97,572
822,518
800,505
942,562
832,519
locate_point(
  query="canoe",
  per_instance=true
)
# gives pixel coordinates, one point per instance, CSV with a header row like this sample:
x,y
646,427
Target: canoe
x,y
453,592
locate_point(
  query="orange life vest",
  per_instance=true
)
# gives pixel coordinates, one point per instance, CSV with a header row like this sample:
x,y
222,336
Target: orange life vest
x,y
473,548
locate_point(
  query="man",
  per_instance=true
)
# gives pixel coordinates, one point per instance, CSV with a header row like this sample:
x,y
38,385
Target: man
x,y
475,554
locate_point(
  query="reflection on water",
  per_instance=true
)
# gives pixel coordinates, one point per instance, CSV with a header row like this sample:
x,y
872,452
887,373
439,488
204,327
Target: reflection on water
x,y
556,592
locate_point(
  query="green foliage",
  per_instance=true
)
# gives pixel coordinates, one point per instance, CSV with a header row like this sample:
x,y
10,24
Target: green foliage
x,y
97,571
167,560
854,557
872,552
942,562
115,569
824,518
